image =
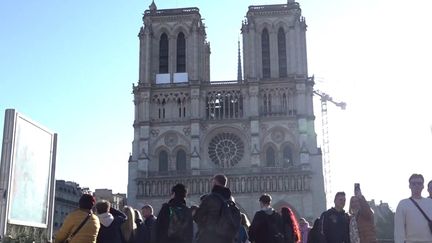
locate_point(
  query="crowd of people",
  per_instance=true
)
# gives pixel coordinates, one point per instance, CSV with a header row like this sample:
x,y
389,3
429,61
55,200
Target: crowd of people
x,y
218,220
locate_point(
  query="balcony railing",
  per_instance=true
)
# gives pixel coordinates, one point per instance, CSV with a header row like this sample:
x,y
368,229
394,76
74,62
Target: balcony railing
x,y
199,185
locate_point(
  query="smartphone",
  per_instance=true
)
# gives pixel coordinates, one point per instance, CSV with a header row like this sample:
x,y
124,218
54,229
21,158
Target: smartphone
x,y
356,188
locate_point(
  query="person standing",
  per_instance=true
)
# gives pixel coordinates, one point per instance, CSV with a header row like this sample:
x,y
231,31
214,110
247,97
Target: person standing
x,y
410,224
304,229
210,216
362,225
290,227
83,215
149,221
266,224
174,221
335,222
111,221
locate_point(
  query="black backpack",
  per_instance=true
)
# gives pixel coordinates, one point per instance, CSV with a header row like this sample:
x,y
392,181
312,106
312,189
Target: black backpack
x,y
180,218
274,224
229,218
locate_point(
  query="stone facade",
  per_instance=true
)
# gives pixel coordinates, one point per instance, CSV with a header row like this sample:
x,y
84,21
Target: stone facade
x,y
258,130
67,195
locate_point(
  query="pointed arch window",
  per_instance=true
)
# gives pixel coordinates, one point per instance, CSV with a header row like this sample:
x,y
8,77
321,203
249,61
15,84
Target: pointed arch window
x,y
265,49
282,55
181,53
163,54
163,161
181,160
287,155
270,157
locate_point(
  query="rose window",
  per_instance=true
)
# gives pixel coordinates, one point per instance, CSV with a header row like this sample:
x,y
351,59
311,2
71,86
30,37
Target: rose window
x,y
226,149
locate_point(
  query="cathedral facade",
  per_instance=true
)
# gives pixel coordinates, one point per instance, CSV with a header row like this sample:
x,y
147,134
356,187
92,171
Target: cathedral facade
x,y
258,130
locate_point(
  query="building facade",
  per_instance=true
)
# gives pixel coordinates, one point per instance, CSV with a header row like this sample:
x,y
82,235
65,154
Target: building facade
x,y
257,130
67,195
118,200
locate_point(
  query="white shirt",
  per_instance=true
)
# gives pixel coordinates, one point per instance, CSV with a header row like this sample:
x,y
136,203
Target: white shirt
x,y
410,224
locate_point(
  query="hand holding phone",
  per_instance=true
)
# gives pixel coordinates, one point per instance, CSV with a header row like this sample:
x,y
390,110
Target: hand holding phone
x,y
357,191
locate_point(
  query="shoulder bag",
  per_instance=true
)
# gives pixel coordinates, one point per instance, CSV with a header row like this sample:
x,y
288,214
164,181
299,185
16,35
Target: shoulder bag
x,y
77,229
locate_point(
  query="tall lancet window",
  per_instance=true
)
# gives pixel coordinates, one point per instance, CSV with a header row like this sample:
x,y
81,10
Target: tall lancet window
x,y
163,161
163,54
282,55
181,53
265,48
270,157
181,160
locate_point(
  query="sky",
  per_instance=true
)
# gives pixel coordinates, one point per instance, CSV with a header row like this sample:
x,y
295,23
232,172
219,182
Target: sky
x,y
70,65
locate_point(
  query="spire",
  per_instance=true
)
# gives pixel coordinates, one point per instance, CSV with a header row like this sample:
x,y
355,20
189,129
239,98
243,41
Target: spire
x,y
239,69
153,6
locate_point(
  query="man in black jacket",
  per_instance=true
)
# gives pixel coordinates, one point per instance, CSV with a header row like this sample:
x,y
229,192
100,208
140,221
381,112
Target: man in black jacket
x,y
335,222
266,225
111,220
208,215
174,221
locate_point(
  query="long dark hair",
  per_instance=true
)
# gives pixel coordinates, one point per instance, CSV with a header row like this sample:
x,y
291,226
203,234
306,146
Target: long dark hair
x,y
289,218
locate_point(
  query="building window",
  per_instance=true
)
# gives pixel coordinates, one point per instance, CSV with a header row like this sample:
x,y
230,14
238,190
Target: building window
x,y
226,149
181,160
265,48
163,161
163,54
270,157
181,53
282,55
287,155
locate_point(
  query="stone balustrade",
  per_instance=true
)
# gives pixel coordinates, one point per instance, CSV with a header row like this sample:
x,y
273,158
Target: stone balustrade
x,y
198,185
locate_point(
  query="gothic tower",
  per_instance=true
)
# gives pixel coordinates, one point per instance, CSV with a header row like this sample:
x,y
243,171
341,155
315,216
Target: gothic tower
x,y
258,130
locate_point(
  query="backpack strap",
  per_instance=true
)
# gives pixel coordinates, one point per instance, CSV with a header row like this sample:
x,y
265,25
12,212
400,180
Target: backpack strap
x,y
421,210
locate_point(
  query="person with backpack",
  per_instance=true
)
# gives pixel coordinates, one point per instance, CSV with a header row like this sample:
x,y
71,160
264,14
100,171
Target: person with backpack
x,y
266,225
111,221
174,221
218,217
335,222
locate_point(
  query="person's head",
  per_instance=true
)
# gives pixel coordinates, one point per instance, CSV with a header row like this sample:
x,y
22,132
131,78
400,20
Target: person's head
x,y
339,201
179,191
354,205
138,216
147,211
304,223
430,188
103,207
220,180
416,184
128,227
244,220
194,208
265,200
86,201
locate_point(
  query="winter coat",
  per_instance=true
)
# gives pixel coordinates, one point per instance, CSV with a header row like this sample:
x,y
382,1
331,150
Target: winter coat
x,y
163,219
335,226
150,230
208,214
259,231
365,222
110,226
88,232
140,232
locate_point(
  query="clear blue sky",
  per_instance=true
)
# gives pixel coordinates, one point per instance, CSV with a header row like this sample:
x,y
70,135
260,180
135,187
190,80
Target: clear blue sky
x,y
70,66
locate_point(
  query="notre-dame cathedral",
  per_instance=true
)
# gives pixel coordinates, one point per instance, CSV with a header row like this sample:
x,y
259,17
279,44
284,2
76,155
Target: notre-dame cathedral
x,y
258,130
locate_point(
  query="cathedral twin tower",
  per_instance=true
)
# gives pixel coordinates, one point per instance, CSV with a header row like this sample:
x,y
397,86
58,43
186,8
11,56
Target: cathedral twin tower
x,y
258,130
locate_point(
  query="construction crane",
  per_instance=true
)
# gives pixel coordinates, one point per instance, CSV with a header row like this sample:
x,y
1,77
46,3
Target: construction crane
x,y
325,147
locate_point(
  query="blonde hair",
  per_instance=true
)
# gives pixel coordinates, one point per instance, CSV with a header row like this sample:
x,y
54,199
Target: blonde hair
x,y
128,228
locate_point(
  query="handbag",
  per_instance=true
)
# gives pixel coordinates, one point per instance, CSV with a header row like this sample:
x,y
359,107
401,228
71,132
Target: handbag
x,y
424,214
77,229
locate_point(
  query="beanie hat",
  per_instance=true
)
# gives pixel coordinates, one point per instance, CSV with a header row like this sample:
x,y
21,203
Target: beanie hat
x,y
87,201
